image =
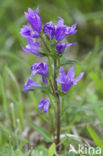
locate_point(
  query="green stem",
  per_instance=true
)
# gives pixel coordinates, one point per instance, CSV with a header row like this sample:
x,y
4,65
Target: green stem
x,y
44,44
51,85
62,103
58,105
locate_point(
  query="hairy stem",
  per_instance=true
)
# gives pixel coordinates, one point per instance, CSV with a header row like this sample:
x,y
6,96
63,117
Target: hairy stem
x,y
58,105
51,85
45,45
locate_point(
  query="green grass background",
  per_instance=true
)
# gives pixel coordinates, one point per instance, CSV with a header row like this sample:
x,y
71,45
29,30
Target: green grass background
x,y
83,106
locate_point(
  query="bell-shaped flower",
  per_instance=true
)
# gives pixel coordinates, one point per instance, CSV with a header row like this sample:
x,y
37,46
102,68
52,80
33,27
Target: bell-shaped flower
x,y
71,30
68,80
44,105
49,29
28,32
41,69
34,19
32,47
60,47
29,84
63,30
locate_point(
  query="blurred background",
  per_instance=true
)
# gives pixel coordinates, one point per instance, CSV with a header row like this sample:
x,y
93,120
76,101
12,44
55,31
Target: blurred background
x,y
86,99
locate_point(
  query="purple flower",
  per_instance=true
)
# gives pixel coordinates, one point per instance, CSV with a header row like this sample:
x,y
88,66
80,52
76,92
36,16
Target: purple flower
x,y
71,30
44,105
27,32
49,29
63,30
60,32
32,47
60,47
34,19
40,68
67,80
30,83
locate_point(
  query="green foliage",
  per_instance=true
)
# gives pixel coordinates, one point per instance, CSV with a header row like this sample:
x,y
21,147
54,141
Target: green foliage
x,y
40,130
82,106
94,136
52,149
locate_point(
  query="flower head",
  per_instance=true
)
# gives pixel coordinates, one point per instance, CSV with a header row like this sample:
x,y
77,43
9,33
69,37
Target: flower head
x,y
60,47
40,68
49,29
63,30
44,105
34,19
30,83
71,30
27,32
67,80
32,47
60,32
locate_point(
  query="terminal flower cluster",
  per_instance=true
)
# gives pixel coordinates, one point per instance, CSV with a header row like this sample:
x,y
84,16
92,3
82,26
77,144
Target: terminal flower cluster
x,y
54,32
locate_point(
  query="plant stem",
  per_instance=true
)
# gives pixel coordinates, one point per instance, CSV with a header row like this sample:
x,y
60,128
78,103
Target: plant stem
x,y
58,105
45,45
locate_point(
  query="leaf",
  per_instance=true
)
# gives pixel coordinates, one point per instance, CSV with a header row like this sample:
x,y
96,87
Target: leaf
x,y
99,113
79,108
41,131
94,136
70,62
52,149
42,88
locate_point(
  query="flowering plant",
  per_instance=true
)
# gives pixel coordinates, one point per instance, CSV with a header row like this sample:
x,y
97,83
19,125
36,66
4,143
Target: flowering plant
x,y
53,47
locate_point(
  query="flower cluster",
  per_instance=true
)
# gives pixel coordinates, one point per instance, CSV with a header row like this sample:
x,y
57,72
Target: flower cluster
x,y
56,32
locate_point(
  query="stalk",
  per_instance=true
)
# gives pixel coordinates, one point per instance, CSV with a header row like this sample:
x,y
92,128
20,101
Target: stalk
x,y
58,106
56,94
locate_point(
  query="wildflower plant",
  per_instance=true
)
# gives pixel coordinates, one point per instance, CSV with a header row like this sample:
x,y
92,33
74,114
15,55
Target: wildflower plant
x,y
53,38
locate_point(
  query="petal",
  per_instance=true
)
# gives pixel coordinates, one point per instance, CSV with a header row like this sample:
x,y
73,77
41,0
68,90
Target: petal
x,y
71,30
28,89
71,44
62,77
45,108
60,33
33,73
37,10
27,50
67,86
34,19
45,81
30,83
25,31
61,70
49,29
40,106
60,80
60,22
44,104
60,47
34,66
71,73
26,15
41,68
78,78
33,51
31,12
62,73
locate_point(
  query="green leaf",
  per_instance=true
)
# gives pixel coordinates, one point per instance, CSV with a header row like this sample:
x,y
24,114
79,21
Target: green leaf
x,y
99,113
70,62
41,131
44,89
94,136
52,149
